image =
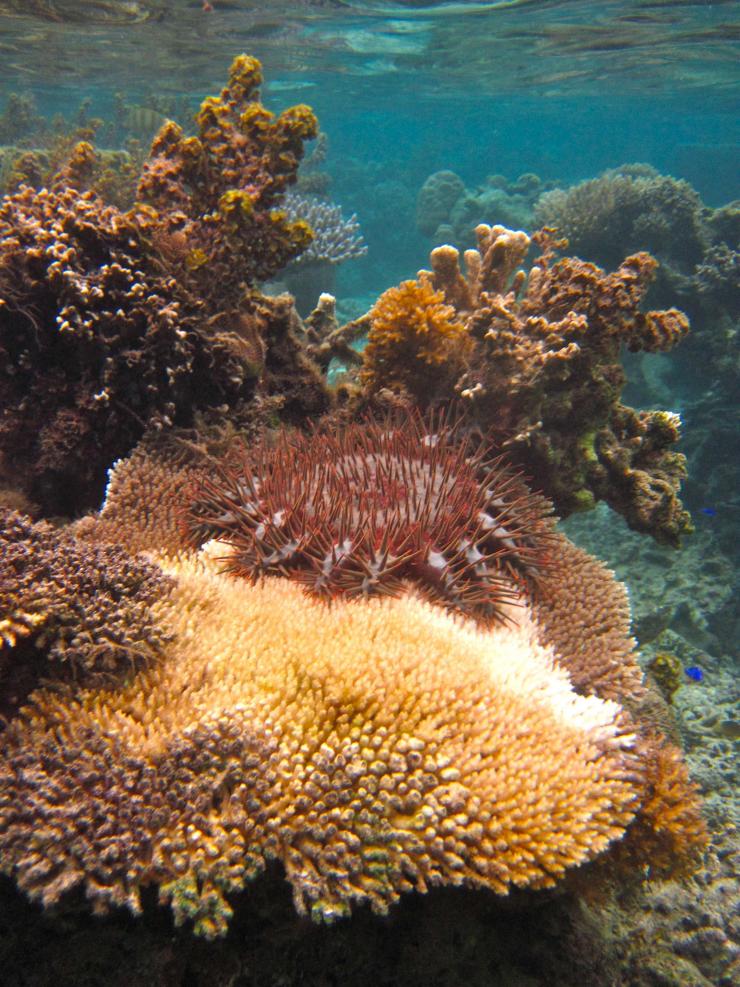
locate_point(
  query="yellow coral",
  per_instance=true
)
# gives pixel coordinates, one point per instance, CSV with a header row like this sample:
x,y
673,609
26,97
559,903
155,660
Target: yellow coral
x,y
415,340
373,748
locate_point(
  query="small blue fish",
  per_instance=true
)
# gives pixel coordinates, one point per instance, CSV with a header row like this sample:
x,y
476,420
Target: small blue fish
x,y
709,511
695,673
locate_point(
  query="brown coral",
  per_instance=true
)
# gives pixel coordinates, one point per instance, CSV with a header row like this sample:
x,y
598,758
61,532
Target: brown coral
x,y
584,612
669,836
217,193
113,322
544,371
416,341
75,610
373,748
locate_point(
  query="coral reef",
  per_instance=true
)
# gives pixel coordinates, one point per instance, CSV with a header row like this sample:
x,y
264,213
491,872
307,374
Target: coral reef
x,y
371,746
335,238
666,670
543,370
626,209
362,510
112,323
448,212
75,610
95,345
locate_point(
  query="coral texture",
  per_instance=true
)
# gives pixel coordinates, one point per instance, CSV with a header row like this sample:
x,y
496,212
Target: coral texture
x,y
629,208
543,370
335,238
358,511
94,344
113,322
585,613
373,747
214,199
449,212
72,609
416,340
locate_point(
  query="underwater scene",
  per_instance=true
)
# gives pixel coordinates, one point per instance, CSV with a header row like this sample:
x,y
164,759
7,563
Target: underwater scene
x,y
369,499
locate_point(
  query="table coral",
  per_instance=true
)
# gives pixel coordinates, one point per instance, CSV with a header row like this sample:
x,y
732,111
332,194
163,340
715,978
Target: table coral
x,y
543,370
373,748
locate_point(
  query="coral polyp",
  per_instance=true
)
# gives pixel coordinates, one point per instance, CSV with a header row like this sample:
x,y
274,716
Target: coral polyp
x,y
372,506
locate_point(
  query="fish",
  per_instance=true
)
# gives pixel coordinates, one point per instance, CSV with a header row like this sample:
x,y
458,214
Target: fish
x,y
142,121
694,673
709,511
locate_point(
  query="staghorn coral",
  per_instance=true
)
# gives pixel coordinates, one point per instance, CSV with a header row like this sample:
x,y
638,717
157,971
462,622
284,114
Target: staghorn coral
x,y
212,201
360,511
416,341
74,609
372,748
542,369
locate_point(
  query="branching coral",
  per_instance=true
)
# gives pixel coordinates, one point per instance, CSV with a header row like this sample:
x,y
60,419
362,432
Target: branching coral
x,y
335,238
416,340
543,370
113,322
77,610
212,201
359,511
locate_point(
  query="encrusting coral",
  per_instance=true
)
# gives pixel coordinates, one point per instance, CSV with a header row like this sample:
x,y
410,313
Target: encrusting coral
x,y
112,322
543,370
